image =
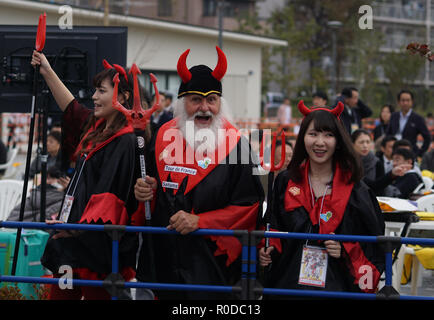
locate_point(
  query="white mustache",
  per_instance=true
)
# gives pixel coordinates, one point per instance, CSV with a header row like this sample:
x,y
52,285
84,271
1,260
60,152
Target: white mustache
x,y
203,114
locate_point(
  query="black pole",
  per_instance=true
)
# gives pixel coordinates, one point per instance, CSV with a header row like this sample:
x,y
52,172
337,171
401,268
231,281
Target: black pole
x,y
140,134
27,170
44,160
220,7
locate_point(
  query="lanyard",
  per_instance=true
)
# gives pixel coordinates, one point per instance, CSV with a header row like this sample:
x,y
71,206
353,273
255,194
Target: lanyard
x,y
78,178
313,201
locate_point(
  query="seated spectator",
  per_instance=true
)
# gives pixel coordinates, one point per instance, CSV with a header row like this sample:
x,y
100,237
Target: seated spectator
x,y
363,145
376,175
386,150
54,197
403,143
54,139
403,186
3,156
428,161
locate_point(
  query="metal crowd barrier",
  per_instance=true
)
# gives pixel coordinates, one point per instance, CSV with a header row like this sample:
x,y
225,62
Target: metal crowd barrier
x,y
249,288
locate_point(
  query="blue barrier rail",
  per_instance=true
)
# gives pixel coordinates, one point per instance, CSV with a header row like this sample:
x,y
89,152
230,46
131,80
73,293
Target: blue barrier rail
x,y
388,241
248,288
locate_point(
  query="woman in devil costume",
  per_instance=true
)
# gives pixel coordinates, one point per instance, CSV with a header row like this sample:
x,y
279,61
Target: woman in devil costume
x,y
102,146
321,192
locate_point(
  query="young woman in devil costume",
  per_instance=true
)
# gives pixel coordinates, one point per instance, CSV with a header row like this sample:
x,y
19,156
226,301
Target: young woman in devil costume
x,y
102,145
321,192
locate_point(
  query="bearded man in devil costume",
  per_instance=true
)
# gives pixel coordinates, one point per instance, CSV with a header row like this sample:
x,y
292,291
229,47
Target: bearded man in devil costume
x,y
200,181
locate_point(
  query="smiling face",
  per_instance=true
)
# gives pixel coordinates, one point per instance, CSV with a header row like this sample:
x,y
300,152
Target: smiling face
x,y
320,145
102,99
202,109
362,145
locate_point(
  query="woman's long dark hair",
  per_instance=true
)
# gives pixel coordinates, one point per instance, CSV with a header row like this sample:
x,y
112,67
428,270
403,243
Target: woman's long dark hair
x,y
391,109
101,133
344,154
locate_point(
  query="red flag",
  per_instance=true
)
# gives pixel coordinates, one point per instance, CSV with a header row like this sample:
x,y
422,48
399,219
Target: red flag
x,y
40,35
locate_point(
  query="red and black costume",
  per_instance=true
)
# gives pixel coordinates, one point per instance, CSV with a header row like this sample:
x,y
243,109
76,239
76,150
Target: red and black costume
x,y
101,185
350,209
224,195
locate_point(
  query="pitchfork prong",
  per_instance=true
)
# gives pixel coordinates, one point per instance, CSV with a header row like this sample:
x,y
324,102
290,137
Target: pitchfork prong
x,y
272,167
115,103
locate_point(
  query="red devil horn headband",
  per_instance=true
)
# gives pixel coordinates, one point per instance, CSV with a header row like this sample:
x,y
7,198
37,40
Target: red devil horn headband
x,y
336,110
219,70
117,67
183,71
222,65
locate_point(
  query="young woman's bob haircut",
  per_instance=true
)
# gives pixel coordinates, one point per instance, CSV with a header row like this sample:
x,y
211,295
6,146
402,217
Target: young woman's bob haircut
x,y
344,154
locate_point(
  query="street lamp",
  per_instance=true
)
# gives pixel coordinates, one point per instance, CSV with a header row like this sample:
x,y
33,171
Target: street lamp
x,y
220,8
334,26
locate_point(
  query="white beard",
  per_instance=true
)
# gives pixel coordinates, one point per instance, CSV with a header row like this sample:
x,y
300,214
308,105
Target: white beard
x,y
198,137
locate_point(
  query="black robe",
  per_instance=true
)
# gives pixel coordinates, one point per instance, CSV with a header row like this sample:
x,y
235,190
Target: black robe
x,y
103,195
227,197
361,216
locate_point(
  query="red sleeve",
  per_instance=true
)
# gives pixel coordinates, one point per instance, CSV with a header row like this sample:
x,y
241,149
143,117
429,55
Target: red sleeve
x,y
231,218
356,259
107,207
74,118
275,242
139,216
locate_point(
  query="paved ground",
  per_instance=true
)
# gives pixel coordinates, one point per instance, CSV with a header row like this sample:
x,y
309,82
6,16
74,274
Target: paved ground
x,y
427,287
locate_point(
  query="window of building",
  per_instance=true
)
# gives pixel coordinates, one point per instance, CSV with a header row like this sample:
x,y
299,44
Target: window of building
x,y
164,8
209,8
168,81
231,8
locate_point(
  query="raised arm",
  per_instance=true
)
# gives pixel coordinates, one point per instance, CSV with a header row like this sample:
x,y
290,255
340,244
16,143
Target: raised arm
x,y
60,92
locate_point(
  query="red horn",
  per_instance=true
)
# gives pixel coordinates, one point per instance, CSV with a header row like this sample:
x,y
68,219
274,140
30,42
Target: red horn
x,y
221,66
338,109
183,71
106,64
303,109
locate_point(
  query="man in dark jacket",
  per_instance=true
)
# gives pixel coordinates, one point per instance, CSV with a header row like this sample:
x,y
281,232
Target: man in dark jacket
x,y
403,186
407,124
355,110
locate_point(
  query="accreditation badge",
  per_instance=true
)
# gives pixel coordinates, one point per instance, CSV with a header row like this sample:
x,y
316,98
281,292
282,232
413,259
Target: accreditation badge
x,y
66,208
354,127
313,268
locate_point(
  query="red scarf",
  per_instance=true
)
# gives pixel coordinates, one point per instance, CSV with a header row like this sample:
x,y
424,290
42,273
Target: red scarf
x,y
299,195
126,129
186,163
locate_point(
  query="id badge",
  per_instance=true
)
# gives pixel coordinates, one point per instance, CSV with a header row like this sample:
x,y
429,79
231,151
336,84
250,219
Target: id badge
x,y
66,208
354,127
313,268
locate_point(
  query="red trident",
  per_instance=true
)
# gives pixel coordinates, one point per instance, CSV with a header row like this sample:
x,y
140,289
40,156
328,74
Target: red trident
x,y
273,167
137,117
40,34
